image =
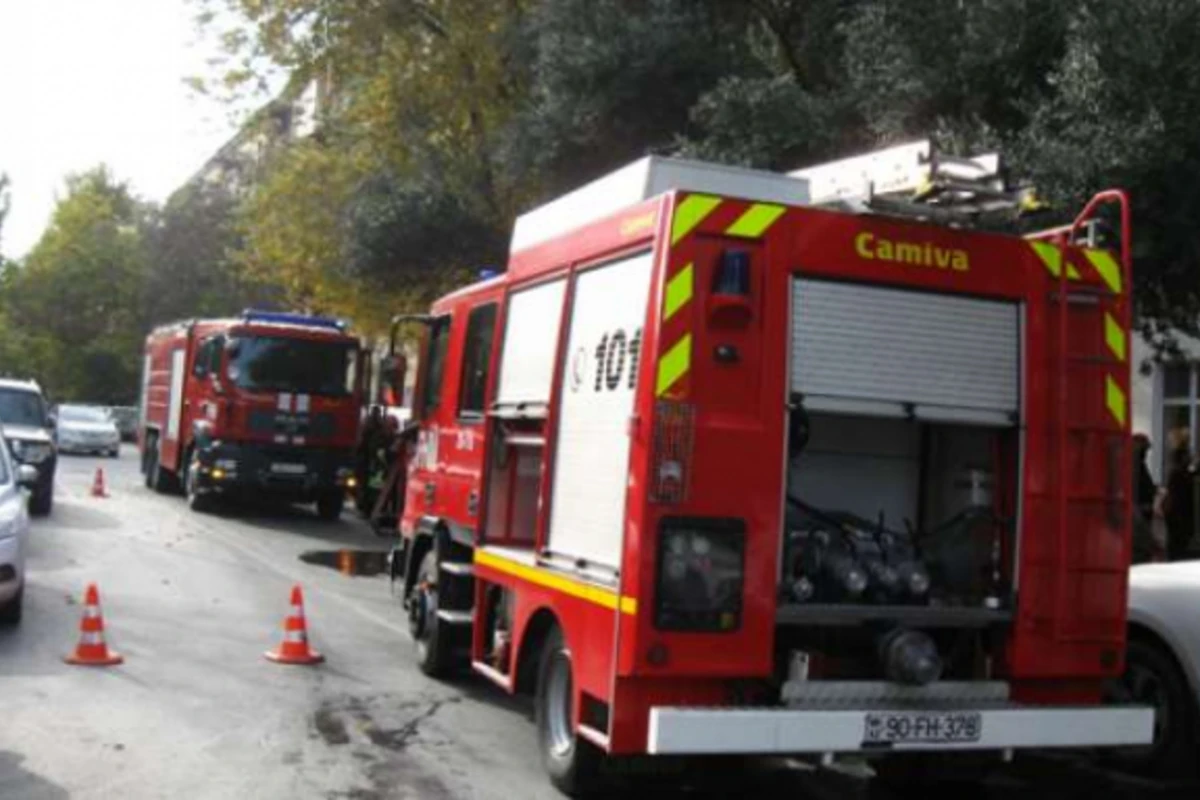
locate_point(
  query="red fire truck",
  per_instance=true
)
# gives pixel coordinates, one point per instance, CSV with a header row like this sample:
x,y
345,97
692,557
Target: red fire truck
x,y
264,403
738,462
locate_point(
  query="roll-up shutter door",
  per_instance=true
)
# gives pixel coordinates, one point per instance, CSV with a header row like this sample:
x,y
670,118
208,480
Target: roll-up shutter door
x,y
882,351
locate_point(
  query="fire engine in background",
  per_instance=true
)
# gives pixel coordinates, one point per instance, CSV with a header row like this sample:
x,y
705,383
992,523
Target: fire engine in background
x,y
265,403
715,469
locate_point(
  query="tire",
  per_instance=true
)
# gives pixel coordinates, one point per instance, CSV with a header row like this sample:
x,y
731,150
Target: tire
x,y
572,763
196,501
435,654
158,478
330,505
41,501
10,612
1152,677
114,453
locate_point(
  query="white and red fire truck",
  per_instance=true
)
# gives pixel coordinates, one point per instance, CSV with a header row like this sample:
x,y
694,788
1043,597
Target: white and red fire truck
x,y
738,462
265,403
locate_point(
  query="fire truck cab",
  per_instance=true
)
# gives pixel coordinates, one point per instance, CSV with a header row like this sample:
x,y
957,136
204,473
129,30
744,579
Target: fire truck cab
x,y
266,403
713,470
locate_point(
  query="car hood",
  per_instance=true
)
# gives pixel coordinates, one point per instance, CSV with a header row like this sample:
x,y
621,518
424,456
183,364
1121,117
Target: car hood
x,y
86,427
26,433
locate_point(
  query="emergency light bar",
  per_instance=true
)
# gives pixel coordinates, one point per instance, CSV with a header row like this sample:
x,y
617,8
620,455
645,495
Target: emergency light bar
x,y
286,318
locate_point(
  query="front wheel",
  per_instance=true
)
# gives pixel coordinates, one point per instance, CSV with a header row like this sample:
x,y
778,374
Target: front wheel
x,y
572,763
41,501
1153,678
435,656
330,505
10,612
197,501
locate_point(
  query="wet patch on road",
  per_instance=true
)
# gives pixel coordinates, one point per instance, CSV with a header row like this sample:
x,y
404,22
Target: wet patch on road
x,y
330,727
349,562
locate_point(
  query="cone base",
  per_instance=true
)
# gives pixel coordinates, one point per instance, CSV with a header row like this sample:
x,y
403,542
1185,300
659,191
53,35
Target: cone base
x,y
112,659
278,657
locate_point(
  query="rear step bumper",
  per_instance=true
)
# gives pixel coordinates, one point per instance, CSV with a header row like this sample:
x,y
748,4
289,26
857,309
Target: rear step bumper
x,y
680,731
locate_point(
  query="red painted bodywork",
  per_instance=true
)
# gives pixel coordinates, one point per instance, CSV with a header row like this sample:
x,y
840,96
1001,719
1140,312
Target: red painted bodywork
x,y
1068,632
227,412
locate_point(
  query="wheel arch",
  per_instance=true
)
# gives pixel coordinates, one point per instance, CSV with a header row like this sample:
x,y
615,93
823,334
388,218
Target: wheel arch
x,y
534,634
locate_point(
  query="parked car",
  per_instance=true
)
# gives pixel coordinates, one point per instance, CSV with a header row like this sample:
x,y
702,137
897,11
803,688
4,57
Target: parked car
x,y
86,429
1162,667
14,533
28,430
126,420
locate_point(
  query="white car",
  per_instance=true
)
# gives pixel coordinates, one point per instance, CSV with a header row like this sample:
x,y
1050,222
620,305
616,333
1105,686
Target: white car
x,y
14,531
86,429
1162,666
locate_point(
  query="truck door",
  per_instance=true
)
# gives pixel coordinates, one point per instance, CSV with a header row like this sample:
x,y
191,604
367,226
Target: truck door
x,y
463,444
423,496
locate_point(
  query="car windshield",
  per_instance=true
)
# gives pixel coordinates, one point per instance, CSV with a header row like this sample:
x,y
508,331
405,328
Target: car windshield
x,y
81,414
269,363
18,407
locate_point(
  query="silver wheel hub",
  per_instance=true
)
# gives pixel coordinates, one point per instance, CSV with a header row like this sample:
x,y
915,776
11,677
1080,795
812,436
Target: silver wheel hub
x,y
558,705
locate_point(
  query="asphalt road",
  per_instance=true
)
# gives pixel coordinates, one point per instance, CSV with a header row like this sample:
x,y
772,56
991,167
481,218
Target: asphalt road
x,y
192,601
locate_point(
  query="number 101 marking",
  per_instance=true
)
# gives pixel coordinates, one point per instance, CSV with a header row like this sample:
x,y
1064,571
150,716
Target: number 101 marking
x,y
612,354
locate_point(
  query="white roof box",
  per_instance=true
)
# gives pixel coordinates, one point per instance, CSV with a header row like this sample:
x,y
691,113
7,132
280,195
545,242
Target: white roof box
x,y
644,179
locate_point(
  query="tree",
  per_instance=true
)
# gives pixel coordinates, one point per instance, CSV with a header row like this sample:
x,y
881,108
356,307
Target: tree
x,y
75,299
4,209
190,252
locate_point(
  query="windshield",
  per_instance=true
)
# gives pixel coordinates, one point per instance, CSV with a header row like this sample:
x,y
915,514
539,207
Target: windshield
x,y
268,363
21,408
81,414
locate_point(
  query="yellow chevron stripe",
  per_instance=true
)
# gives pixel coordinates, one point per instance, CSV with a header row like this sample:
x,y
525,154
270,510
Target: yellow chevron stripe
x,y
1115,399
755,220
679,291
554,580
1114,336
1107,266
690,213
674,364
1051,256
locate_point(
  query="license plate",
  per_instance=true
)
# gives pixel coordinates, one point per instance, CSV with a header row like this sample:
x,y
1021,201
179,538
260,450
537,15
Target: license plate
x,y
289,469
942,727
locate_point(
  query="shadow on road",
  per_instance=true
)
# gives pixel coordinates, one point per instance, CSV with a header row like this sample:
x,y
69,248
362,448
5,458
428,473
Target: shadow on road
x,y
298,520
18,782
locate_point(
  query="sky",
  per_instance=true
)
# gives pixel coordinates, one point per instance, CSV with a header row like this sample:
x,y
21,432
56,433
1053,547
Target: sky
x,y
84,82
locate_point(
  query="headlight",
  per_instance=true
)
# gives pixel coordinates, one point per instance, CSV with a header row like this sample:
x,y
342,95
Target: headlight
x,y
700,575
31,452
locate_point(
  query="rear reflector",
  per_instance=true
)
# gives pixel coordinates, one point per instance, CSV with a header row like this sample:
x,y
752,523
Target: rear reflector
x,y
670,466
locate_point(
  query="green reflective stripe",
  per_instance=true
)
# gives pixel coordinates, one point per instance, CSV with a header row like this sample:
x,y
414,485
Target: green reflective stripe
x,y
755,221
1115,398
690,213
1114,335
1051,256
1107,266
679,291
674,364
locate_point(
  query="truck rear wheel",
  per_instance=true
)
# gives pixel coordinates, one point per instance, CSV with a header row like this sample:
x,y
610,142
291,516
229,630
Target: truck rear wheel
x,y
157,478
435,655
572,763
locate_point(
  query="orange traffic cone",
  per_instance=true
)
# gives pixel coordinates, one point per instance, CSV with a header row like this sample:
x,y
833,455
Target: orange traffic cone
x,y
91,650
295,649
98,489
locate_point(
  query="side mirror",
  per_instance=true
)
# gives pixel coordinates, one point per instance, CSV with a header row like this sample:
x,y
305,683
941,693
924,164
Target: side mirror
x,y
27,476
51,420
392,372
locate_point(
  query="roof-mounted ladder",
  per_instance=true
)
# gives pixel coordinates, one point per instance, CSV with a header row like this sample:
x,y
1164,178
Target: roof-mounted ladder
x,y
914,180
